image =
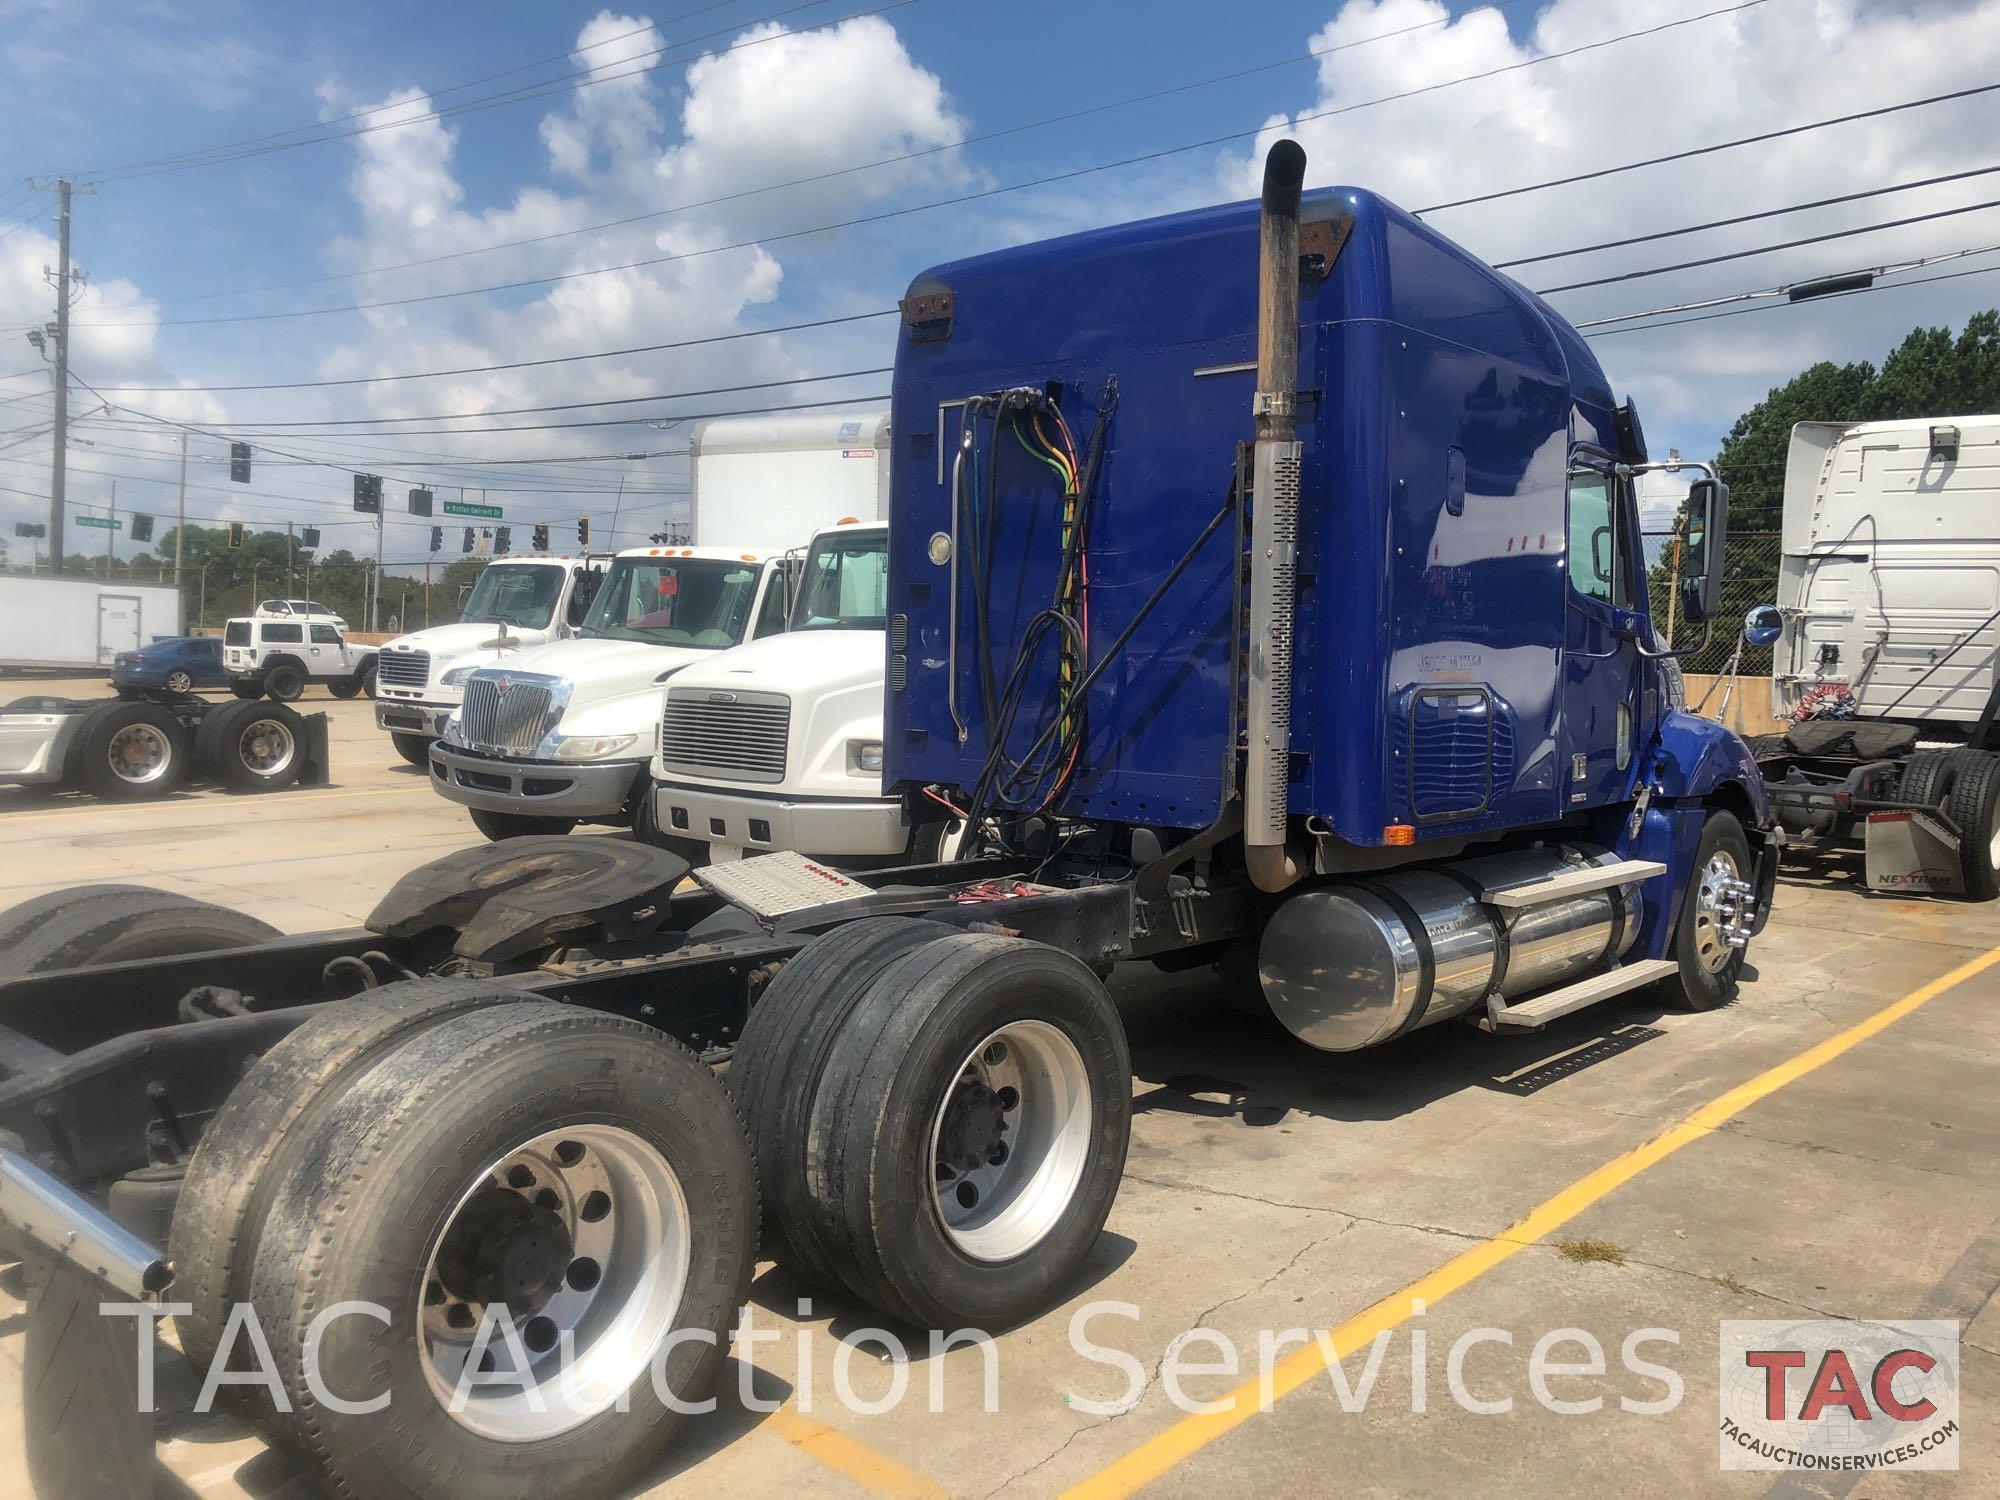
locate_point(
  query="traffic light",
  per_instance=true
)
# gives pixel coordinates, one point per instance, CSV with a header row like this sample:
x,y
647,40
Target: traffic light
x,y
142,528
541,536
437,539
368,493
466,545
235,533
239,462
503,540
310,536
583,531
420,502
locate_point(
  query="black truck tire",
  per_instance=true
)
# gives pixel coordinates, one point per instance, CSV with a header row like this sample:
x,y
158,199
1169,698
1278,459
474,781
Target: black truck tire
x,y
108,924
1973,803
647,830
531,1152
414,748
253,747
916,1088
505,825
775,1068
246,689
345,687
1927,778
275,1108
1708,966
132,751
285,681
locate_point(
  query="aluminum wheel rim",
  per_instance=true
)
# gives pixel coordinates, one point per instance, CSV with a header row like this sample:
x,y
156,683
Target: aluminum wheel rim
x,y
1712,949
179,682
1010,1141
593,1335
140,754
267,747
1993,847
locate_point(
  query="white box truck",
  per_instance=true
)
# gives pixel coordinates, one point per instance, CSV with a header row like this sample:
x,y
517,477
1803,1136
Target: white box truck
x,y
1886,650
81,624
518,602
566,733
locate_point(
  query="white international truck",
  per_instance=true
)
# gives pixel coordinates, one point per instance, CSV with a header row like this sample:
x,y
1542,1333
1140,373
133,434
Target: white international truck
x,y
81,624
1886,650
518,602
566,733
778,743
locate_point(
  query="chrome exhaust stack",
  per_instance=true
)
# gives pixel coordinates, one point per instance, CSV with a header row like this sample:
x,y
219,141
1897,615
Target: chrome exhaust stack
x,y
1274,525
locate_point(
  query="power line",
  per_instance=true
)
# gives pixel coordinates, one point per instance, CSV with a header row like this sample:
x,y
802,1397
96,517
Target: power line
x,y
1768,213
429,93
1310,55
1894,286
522,364
256,428
574,82
963,198
1813,239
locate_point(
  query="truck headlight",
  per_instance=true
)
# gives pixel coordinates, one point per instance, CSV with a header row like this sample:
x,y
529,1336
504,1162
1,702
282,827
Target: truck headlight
x,y
589,746
864,757
458,674
451,729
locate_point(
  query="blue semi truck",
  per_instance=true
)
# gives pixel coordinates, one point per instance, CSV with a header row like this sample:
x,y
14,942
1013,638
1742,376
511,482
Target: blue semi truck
x,y
1264,592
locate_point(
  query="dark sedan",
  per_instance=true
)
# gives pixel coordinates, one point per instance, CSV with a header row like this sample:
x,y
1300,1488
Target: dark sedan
x,y
177,666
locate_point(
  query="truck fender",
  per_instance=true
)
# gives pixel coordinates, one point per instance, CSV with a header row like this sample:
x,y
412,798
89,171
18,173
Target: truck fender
x,y
1697,759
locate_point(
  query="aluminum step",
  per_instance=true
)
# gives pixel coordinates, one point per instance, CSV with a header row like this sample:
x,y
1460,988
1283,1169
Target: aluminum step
x,y
1533,1014
1577,882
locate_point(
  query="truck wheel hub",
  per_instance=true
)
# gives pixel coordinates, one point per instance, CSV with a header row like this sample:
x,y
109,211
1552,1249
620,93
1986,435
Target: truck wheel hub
x,y
974,1126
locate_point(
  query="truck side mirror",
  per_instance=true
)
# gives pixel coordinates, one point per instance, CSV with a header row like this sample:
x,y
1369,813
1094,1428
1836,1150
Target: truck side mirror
x,y
1701,586
1763,625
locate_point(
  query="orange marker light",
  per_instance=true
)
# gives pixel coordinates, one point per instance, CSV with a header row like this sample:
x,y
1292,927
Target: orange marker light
x,y
1399,834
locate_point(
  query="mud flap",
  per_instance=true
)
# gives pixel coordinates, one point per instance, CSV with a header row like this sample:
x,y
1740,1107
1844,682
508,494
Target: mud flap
x,y
1912,852
1770,843
85,1436
317,769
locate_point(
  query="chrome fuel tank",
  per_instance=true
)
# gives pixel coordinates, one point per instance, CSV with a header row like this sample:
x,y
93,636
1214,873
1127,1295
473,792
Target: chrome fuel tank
x,y
1353,964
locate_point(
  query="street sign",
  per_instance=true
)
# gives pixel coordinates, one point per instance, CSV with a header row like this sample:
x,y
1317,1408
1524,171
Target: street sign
x,y
466,508
102,523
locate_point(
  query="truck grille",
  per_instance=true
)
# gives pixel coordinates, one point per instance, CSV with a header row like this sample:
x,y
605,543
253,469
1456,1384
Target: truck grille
x,y
728,736
506,713
403,669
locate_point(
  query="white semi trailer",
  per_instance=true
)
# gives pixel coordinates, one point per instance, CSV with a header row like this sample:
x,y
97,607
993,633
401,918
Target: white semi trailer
x,y
81,624
1886,654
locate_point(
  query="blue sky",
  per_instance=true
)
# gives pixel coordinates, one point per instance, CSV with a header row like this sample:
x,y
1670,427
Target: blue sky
x,y
91,85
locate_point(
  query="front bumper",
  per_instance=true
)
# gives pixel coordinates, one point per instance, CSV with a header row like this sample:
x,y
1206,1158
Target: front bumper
x,y
412,718
826,827
538,788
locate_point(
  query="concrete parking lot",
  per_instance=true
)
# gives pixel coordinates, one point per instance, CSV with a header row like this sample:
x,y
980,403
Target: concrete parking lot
x,y
1827,1147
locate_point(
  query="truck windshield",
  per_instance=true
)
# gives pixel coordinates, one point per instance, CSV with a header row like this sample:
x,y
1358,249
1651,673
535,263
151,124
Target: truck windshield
x,y
674,601
522,594
846,583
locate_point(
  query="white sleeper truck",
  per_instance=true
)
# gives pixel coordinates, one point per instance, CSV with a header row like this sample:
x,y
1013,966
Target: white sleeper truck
x,y
778,744
1886,651
518,602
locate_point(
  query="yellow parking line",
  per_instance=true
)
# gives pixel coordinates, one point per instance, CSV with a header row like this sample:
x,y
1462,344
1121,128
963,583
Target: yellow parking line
x,y
874,1472
1158,1454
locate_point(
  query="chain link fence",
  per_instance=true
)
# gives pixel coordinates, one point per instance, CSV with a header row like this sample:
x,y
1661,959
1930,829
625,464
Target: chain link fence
x,y
1749,578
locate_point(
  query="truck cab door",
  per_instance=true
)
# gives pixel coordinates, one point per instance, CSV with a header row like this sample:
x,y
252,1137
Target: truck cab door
x,y
1601,700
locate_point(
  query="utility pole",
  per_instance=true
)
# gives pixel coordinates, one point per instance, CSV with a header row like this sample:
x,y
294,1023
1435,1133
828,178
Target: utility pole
x,y
58,471
375,593
111,531
181,511
290,558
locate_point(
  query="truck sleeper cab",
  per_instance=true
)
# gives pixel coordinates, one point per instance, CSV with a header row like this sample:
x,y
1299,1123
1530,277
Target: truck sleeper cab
x,y
564,733
516,603
778,744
